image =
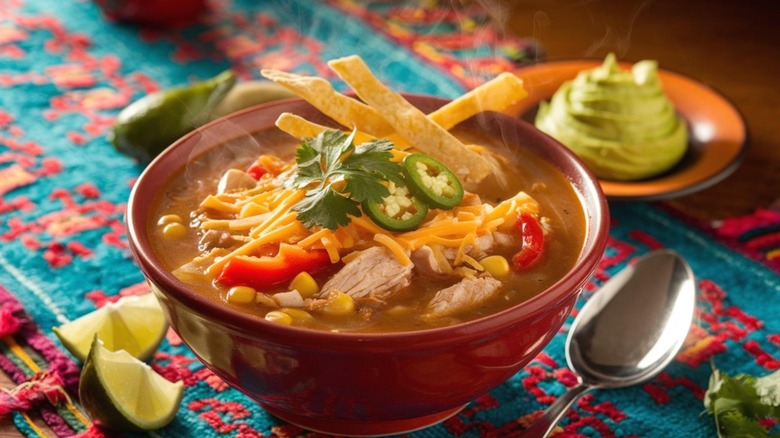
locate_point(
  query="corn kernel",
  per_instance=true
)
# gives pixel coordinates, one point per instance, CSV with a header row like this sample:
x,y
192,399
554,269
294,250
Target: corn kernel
x,y
169,219
305,285
298,315
496,265
174,230
241,295
339,304
279,317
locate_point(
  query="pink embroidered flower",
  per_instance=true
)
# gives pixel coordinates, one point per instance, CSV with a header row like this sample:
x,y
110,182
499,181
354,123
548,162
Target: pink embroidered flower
x,y
9,324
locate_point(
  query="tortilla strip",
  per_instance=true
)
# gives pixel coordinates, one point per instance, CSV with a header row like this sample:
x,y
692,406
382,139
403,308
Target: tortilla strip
x,y
504,90
345,110
411,123
301,128
298,127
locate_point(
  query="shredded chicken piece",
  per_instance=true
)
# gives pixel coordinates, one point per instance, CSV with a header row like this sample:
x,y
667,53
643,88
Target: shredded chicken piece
x,y
426,264
374,272
235,179
465,295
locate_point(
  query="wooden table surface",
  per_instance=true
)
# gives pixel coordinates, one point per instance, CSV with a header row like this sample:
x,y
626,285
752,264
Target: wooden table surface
x,y
730,46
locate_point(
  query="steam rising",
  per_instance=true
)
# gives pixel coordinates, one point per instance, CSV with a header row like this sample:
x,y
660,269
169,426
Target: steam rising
x,y
314,32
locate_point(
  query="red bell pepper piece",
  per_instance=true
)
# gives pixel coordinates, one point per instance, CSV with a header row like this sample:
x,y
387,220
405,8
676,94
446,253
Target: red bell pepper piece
x,y
256,171
262,273
532,237
265,164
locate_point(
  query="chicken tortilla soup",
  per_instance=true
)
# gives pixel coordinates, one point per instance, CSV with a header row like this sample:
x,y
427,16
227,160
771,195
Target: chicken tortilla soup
x,y
397,220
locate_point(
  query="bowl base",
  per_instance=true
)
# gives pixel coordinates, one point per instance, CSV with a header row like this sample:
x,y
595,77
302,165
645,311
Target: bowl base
x,y
364,429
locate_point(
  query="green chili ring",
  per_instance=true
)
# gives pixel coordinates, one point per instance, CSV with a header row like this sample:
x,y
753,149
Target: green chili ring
x,y
416,213
432,181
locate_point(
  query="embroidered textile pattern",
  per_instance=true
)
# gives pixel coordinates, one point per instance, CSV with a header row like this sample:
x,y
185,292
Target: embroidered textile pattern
x,y
65,72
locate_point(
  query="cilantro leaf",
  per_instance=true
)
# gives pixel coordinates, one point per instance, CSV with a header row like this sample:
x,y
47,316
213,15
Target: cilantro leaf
x,y
374,157
308,158
369,166
318,209
738,402
362,187
339,176
768,388
735,424
335,144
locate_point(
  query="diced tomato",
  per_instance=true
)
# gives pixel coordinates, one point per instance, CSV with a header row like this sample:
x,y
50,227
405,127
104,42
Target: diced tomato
x,y
256,171
265,164
262,273
532,238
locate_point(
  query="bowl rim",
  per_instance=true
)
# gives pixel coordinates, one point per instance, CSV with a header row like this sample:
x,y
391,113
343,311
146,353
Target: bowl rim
x,y
593,247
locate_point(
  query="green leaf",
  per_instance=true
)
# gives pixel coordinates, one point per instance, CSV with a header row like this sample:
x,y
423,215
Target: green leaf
x,y
329,159
327,209
362,187
374,158
374,146
734,424
309,169
738,402
335,144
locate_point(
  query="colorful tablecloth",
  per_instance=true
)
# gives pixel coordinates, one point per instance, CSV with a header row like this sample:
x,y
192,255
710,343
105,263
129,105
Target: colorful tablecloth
x,y
65,72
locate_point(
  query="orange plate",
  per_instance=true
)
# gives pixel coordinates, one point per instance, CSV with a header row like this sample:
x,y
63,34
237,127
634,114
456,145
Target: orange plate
x,y
717,133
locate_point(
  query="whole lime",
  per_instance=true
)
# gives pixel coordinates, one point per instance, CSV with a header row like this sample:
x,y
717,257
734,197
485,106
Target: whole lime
x,y
150,124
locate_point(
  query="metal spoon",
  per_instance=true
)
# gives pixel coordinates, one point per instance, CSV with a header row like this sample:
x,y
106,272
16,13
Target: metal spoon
x,y
628,331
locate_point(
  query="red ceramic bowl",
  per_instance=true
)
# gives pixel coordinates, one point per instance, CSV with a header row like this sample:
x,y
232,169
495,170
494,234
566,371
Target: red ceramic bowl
x,y
363,384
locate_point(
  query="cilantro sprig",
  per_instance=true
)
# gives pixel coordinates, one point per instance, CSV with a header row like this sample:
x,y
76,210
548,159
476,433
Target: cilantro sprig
x,y
739,402
338,176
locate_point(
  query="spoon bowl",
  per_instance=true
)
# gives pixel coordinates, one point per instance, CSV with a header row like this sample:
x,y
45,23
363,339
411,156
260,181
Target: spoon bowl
x,y
629,331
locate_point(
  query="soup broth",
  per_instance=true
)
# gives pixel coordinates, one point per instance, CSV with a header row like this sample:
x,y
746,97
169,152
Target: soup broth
x,y
559,208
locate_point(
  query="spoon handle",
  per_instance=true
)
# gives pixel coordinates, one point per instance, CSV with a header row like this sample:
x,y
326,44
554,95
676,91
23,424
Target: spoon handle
x,y
544,424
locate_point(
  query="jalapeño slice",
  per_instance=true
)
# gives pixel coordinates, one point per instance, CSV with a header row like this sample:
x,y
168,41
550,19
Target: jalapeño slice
x,y
400,211
432,181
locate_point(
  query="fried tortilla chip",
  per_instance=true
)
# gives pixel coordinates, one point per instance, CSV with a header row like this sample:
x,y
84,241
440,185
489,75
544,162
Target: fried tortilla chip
x,y
301,128
496,95
298,127
345,110
411,123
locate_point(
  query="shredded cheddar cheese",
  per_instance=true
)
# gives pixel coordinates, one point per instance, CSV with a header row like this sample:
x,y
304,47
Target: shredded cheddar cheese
x,y
441,260
332,246
314,238
467,259
398,251
216,203
465,242
263,216
244,223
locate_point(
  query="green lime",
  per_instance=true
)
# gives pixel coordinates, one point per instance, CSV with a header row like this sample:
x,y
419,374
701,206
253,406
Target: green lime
x,y
135,324
150,124
120,392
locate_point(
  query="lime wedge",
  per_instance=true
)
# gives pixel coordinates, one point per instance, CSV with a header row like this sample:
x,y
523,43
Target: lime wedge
x,y
135,324
120,392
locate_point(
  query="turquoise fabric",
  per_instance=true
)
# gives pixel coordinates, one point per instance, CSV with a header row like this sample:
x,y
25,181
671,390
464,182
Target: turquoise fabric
x,y
65,72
